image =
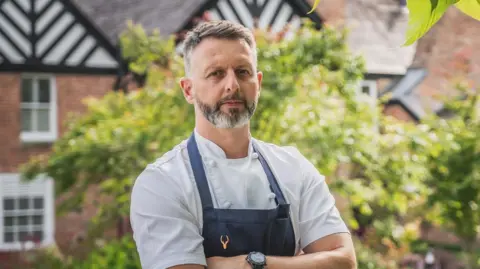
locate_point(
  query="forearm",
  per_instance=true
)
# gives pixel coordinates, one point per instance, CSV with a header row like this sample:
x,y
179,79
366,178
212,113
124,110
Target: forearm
x,y
335,259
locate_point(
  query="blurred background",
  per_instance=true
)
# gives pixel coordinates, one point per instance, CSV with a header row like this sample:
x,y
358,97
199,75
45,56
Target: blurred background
x,y
89,96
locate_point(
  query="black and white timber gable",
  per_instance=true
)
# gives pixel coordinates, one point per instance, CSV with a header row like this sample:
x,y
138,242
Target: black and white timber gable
x,y
272,14
264,14
52,36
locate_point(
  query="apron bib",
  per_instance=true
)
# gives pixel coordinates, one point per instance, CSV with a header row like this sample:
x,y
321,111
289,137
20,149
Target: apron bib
x,y
232,232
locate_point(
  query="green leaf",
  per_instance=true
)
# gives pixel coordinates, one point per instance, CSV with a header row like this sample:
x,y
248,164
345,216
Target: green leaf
x,y
314,6
423,15
469,7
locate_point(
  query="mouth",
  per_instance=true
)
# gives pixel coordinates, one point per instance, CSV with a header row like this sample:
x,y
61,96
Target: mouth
x,y
233,103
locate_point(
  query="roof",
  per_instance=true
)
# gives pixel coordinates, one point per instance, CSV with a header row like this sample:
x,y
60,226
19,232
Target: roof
x,y
377,31
65,41
166,15
403,93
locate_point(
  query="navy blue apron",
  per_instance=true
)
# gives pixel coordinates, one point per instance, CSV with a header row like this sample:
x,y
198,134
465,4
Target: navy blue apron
x,y
232,232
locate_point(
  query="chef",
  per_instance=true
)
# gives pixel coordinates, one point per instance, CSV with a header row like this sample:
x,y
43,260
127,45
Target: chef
x,y
223,199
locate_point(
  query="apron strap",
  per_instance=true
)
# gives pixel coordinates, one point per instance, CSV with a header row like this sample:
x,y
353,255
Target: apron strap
x,y
202,182
271,179
199,173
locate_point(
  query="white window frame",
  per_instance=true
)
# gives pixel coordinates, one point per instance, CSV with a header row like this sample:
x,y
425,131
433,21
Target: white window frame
x,y
372,96
52,134
372,85
12,186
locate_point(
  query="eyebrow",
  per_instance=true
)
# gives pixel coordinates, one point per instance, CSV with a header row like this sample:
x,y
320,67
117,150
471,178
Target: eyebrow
x,y
216,66
212,66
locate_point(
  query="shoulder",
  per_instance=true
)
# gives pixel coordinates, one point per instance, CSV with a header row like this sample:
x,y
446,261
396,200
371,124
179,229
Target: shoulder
x,y
165,172
291,166
170,159
289,155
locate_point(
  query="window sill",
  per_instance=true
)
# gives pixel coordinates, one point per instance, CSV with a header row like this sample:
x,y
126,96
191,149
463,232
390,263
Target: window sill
x,y
17,247
38,137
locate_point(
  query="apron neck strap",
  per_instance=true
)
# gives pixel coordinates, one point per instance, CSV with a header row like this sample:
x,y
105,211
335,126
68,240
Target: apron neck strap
x,y
202,182
199,173
279,197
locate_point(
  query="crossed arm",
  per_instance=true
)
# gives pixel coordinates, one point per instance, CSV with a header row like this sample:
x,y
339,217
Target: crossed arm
x,y
335,251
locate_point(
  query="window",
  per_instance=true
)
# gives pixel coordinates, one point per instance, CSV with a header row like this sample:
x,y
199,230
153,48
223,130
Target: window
x,y
367,91
369,87
38,109
26,212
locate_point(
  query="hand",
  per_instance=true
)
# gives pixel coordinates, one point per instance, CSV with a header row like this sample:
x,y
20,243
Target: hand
x,y
237,262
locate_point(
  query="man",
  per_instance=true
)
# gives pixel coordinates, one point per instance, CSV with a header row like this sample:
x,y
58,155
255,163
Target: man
x,y
223,199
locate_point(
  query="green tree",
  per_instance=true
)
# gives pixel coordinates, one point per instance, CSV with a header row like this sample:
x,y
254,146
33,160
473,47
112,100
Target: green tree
x,y
455,172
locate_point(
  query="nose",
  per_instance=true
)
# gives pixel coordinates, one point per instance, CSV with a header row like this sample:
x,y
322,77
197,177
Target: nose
x,y
231,82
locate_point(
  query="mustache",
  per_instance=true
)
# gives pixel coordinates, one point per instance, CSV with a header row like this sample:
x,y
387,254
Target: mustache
x,y
233,98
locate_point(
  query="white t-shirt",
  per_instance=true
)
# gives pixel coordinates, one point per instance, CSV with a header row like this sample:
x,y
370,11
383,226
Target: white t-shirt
x,y
166,210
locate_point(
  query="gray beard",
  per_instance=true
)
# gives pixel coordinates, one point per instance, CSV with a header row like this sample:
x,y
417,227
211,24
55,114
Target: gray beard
x,y
235,119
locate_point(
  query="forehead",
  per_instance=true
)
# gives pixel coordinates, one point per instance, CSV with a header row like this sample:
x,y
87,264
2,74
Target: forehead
x,y
213,51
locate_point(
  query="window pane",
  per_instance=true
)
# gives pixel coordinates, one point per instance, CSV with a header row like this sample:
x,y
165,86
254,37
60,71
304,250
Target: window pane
x,y
26,119
38,220
8,221
38,203
8,204
22,220
38,236
27,90
8,237
43,117
23,236
23,203
44,90
366,90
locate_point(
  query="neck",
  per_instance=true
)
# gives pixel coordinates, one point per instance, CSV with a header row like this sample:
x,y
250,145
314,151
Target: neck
x,y
234,141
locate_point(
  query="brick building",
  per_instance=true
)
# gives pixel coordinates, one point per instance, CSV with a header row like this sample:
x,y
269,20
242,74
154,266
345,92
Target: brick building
x,y
51,57
53,53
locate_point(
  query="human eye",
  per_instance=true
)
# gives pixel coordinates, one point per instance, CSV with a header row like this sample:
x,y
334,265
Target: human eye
x,y
216,73
243,72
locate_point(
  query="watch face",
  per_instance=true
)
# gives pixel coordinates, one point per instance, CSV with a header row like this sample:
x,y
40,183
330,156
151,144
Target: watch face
x,y
257,257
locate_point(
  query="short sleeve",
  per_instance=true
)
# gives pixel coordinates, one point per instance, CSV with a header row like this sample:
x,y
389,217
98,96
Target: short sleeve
x,y
318,215
165,232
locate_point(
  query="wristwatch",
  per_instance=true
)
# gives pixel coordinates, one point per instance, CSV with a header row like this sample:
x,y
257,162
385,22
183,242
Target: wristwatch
x,y
257,260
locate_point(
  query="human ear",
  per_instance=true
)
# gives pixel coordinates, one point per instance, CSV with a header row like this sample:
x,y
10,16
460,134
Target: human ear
x,y
259,78
186,85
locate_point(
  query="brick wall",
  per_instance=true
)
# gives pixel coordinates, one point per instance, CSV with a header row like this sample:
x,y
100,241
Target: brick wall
x,y
71,90
447,49
331,11
13,152
398,112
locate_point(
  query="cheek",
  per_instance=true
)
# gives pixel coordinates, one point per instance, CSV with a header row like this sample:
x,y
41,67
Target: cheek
x,y
250,89
208,93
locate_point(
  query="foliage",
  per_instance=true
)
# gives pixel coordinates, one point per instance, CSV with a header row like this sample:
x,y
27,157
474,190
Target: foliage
x,y
283,63
455,171
425,13
119,254
368,259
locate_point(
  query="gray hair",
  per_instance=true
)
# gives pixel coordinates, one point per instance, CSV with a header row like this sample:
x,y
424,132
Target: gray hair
x,y
221,29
